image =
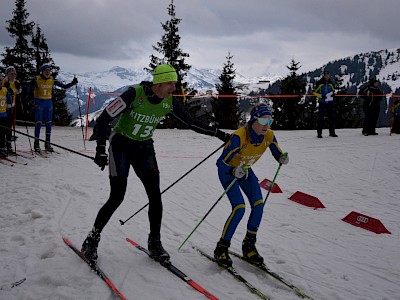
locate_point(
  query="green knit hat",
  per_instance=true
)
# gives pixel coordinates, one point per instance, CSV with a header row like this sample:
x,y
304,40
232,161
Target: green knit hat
x,y
164,73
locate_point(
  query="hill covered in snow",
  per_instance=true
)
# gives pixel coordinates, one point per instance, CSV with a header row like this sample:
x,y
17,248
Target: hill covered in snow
x,y
117,79
354,71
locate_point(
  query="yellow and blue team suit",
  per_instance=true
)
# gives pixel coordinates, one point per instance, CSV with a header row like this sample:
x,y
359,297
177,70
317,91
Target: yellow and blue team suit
x,y
5,98
42,88
14,90
244,151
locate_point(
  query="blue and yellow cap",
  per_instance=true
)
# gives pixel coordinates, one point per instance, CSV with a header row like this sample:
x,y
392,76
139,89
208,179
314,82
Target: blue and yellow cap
x,y
260,111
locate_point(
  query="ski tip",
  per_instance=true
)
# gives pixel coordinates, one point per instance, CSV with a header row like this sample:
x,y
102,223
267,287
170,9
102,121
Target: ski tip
x,y
132,242
66,240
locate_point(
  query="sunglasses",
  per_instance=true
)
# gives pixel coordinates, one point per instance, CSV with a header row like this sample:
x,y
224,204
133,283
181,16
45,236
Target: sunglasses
x,y
265,121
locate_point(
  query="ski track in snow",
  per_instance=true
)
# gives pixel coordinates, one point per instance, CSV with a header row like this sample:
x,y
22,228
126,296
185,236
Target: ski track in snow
x,y
316,251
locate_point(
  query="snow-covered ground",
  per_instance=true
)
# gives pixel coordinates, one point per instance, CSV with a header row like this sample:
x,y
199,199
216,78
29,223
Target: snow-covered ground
x,y
314,249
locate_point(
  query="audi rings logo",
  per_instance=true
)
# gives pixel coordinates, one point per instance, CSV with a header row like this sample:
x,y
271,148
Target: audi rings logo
x,y
362,219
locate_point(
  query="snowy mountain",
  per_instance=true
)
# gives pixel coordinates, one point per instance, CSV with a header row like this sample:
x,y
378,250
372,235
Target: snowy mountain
x,y
117,79
358,69
354,71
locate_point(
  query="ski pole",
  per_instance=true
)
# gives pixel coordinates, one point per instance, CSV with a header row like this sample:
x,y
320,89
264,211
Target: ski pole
x,y
80,115
227,189
273,181
56,145
179,179
14,122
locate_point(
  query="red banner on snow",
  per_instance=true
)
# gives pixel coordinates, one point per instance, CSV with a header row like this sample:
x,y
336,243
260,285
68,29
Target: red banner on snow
x,y
306,200
366,222
266,184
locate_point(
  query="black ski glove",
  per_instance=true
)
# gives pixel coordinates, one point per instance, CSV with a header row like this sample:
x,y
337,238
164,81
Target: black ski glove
x,y
72,83
222,136
101,158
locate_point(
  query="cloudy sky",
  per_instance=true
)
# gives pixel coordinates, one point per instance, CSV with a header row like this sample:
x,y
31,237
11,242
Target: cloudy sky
x,y
262,35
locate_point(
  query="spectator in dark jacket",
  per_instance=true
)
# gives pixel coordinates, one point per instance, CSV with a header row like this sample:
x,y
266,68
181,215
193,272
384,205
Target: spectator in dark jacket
x,y
396,117
372,96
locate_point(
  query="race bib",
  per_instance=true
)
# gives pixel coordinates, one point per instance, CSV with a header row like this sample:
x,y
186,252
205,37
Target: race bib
x,y
115,107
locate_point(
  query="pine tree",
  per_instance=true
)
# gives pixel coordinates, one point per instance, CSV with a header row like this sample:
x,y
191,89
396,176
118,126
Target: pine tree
x,y
287,110
173,55
348,110
308,117
27,58
169,47
41,51
61,115
21,55
226,108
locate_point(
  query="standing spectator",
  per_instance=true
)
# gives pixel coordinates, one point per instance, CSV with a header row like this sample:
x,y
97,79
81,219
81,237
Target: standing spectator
x,y
42,87
396,116
246,146
140,109
12,84
372,104
5,98
325,91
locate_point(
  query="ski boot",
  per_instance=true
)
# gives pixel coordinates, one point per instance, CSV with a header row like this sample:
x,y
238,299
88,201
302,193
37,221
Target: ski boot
x,y
48,147
10,149
3,152
157,251
221,254
250,252
332,133
89,246
36,146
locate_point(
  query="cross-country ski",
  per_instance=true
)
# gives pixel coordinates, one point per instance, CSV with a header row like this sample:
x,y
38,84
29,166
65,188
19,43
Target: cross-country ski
x,y
96,269
174,270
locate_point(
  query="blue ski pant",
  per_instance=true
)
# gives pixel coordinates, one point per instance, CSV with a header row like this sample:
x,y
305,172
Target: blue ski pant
x,y
252,190
43,113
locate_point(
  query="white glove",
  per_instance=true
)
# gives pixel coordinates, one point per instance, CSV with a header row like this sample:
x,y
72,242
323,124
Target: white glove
x,y
329,96
240,172
284,159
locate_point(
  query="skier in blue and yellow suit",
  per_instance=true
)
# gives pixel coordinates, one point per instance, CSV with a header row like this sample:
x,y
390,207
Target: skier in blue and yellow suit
x,y
5,98
245,147
42,87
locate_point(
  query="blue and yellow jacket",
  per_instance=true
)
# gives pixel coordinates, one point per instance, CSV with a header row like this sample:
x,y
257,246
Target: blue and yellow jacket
x,y
15,88
323,88
246,151
5,97
42,87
